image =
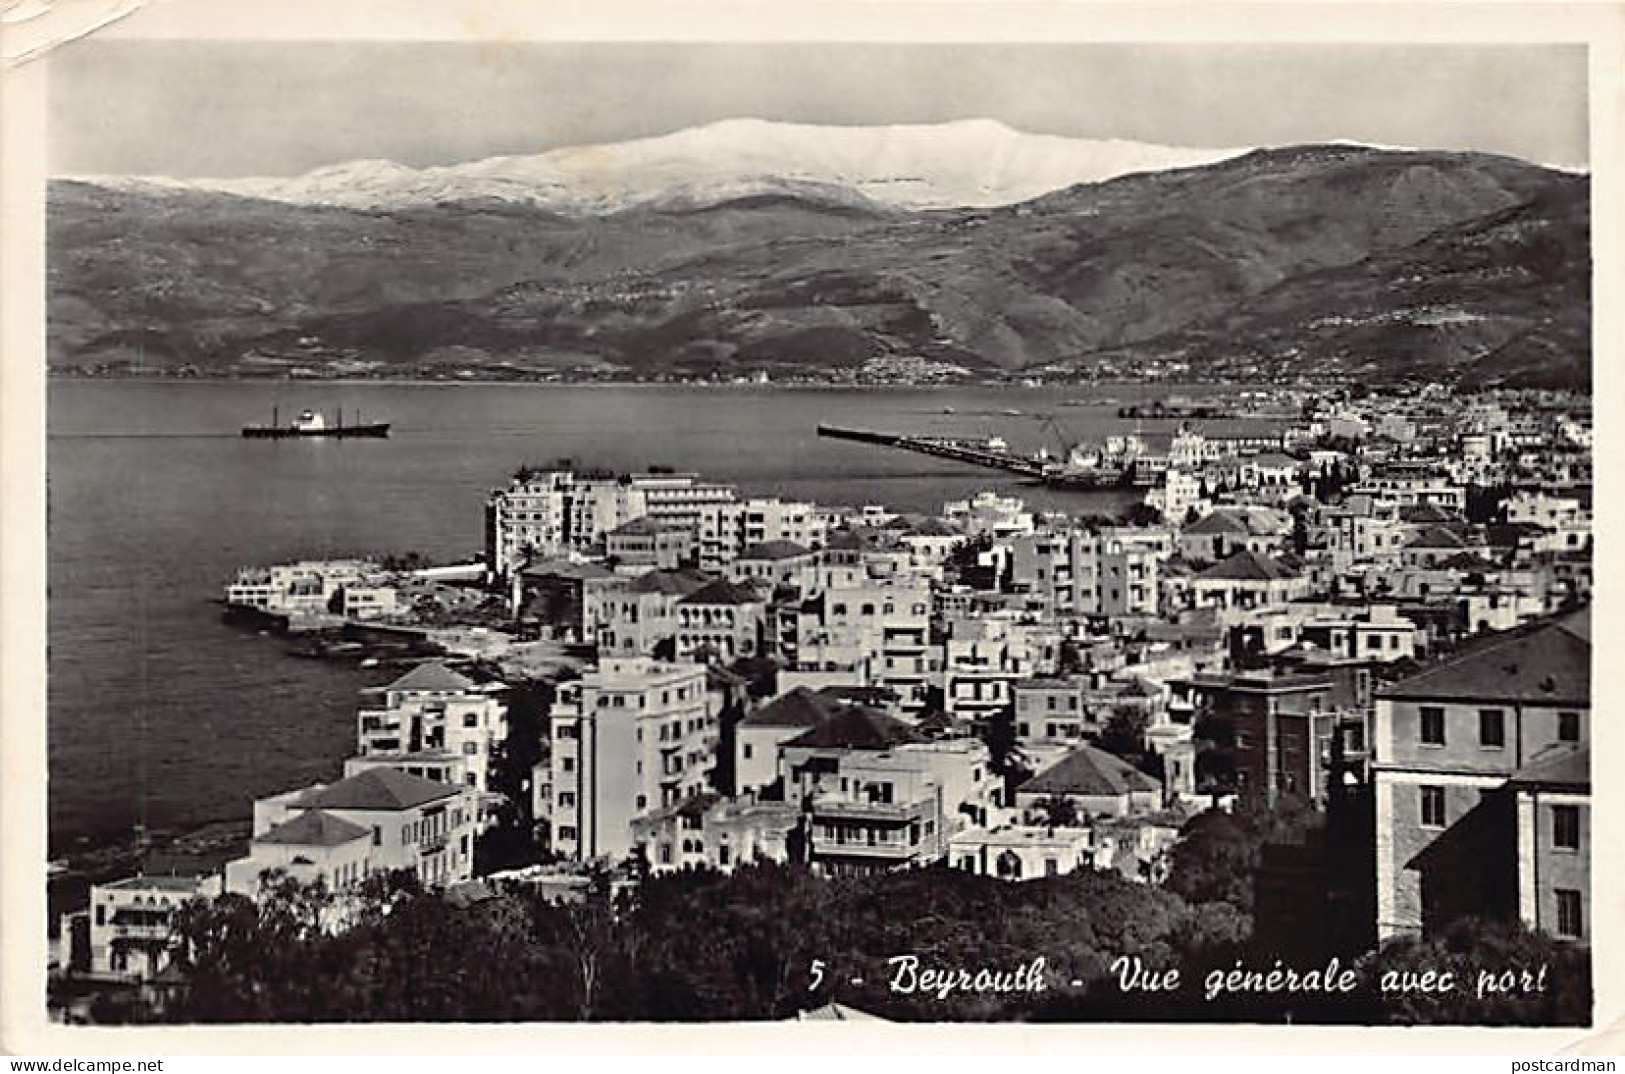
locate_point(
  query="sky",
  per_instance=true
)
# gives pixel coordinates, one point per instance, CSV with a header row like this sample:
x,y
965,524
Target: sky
x,y
190,108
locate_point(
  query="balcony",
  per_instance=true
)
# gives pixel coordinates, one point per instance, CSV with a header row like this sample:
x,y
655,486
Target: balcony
x,y
879,849
858,809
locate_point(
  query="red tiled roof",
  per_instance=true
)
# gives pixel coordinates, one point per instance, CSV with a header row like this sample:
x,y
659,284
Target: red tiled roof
x,y
723,591
670,583
801,707
314,829
381,789
1090,772
1247,566
433,676
855,727
774,550
1567,768
1550,665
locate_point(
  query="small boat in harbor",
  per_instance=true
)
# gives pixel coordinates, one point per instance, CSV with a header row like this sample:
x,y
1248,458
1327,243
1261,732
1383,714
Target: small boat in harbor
x,y
314,423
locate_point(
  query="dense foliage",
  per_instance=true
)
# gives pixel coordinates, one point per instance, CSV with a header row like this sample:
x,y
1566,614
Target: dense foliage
x,y
763,943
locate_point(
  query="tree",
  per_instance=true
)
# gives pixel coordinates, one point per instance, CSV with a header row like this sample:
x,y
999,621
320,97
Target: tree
x,y
1058,811
1142,514
1557,990
1124,733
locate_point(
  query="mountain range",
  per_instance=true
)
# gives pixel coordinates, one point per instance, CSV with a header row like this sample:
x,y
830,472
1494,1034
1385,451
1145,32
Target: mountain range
x,y
748,245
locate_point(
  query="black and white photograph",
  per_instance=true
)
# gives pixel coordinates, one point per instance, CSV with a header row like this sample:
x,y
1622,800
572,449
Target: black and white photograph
x,y
1064,529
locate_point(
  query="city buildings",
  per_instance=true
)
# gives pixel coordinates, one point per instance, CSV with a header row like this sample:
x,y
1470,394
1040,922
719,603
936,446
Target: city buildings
x,y
1481,779
634,734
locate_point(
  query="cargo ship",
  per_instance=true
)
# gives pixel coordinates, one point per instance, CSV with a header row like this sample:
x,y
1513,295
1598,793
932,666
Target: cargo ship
x,y
313,423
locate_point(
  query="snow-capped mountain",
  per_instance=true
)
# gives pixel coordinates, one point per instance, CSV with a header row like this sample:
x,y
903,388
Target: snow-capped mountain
x,y
964,164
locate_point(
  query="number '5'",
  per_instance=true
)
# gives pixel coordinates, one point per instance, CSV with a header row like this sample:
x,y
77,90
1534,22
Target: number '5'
x,y
817,974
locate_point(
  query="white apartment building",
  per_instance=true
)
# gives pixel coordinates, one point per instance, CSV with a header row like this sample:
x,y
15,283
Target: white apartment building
x,y
878,633
729,528
631,735
380,820
553,512
433,709
130,922
308,587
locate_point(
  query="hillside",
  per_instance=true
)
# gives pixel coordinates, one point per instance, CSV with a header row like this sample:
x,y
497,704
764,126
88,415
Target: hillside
x,y
1322,258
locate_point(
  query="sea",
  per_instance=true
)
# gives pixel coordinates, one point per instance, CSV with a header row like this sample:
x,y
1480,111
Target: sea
x,y
163,716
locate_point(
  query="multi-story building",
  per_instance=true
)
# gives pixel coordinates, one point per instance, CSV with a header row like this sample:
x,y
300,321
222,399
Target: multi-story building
x,y
549,513
877,796
1224,531
1246,581
1111,572
570,598
1481,784
433,710
1021,852
721,622
130,922
730,528
775,563
984,657
988,513
717,833
645,544
1285,726
380,820
309,587
636,618
880,633
632,735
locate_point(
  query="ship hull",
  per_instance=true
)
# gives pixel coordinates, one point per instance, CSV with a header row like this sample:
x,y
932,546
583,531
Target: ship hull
x,y
266,432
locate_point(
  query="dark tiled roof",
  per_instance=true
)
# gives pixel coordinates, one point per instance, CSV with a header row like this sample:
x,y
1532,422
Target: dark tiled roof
x,y
377,789
855,727
1548,665
801,707
1434,536
1090,772
433,676
314,829
1217,522
1566,768
774,550
1426,512
563,568
1247,566
669,583
723,591
642,526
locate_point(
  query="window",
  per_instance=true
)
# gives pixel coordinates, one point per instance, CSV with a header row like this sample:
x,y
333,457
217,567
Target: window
x,y
1492,732
471,719
377,836
1566,827
568,763
1432,725
567,798
745,750
1568,727
1569,922
1052,867
470,748
1432,807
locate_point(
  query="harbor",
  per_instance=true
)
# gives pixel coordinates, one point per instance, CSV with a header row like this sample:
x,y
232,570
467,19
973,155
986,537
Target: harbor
x,y
994,453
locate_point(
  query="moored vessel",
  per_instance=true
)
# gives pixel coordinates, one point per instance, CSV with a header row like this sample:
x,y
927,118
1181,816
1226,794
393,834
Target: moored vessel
x,y
312,423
